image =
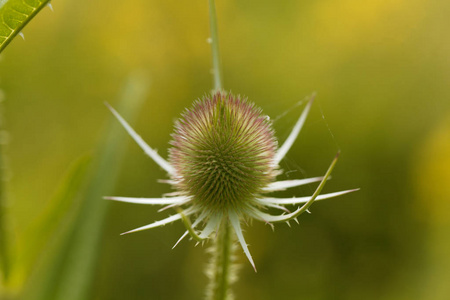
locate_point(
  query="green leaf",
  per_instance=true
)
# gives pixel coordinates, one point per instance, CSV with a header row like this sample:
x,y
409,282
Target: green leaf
x,y
40,233
67,270
15,15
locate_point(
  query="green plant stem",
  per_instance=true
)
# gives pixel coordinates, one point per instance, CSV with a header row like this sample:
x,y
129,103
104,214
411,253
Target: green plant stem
x,y
217,69
222,262
4,254
220,268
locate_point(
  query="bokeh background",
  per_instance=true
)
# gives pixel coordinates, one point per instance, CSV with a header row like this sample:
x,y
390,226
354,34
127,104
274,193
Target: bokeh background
x,y
381,70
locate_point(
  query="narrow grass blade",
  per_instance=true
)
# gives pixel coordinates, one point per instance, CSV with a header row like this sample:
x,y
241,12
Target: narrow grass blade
x,y
40,233
4,237
68,270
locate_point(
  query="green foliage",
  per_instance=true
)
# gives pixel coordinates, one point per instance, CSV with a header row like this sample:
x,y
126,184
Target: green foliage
x,y
14,15
381,70
49,223
4,250
68,266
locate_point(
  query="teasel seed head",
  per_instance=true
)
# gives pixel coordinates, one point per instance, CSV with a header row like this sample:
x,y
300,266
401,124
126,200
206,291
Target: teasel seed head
x,y
223,153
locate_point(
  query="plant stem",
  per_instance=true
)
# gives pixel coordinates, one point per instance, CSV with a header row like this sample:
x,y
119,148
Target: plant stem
x,y
221,273
217,69
4,265
220,267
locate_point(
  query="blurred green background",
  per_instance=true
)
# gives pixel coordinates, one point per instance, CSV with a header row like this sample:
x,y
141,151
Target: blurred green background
x,y
382,73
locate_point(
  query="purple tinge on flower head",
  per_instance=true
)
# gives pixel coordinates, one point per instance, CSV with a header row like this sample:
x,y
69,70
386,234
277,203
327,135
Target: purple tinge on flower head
x,y
223,161
223,153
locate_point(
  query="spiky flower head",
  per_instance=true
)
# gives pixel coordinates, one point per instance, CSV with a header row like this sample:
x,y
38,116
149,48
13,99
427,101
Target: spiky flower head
x,y
223,161
223,153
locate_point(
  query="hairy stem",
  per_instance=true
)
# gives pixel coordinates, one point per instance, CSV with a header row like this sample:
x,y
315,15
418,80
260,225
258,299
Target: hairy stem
x,y
217,69
221,269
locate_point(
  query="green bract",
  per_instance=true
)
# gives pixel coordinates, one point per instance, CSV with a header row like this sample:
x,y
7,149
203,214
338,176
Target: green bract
x,y
223,161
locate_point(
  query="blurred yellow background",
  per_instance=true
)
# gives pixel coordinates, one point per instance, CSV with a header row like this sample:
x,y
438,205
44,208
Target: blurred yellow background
x,y
382,73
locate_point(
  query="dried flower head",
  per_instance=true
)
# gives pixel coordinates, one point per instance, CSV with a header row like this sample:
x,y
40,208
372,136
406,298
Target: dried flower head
x,y
223,161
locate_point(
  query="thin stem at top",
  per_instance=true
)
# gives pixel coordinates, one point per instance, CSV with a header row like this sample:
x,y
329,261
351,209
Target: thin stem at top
x,y
214,40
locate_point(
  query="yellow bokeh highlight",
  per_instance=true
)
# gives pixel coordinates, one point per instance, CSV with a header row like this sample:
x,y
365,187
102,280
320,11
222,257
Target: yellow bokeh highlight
x,y
432,177
351,24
